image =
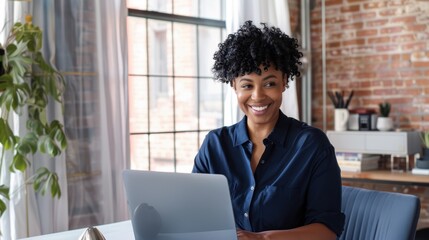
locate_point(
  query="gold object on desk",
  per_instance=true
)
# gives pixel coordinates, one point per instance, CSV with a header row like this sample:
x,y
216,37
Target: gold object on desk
x,y
92,233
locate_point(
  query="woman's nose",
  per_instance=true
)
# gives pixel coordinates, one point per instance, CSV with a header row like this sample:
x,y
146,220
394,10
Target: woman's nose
x,y
258,93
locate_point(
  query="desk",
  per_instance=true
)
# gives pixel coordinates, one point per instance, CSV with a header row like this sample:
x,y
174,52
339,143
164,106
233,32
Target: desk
x,y
385,176
119,230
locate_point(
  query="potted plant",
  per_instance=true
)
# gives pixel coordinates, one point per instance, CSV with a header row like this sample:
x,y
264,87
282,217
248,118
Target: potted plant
x,y
384,122
27,84
423,162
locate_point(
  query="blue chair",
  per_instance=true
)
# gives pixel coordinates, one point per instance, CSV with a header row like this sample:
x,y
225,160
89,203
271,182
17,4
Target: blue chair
x,y
377,215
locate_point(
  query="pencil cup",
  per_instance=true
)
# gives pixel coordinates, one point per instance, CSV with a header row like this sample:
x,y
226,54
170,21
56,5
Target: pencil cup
x,y
341,119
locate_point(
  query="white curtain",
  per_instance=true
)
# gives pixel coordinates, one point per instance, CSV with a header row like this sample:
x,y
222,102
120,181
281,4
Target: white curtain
x,y
274,13
25,208
86,40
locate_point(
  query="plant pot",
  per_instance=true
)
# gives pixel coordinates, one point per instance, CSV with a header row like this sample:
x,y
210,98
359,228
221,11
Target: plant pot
x,y
423,162
384,123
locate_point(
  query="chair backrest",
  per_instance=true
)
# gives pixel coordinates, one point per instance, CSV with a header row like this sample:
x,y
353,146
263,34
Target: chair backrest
x,y
377,215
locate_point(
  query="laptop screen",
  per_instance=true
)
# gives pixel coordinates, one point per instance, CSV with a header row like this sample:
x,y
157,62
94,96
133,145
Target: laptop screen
x,y
179,203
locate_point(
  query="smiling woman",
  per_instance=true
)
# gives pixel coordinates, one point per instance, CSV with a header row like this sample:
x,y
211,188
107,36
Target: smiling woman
x,y
284,178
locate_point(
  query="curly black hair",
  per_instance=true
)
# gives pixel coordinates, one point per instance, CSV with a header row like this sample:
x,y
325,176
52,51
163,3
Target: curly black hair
x,y
250,47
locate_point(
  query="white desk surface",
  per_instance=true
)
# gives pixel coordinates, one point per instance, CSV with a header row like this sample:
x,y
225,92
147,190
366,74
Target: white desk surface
x,y
119,230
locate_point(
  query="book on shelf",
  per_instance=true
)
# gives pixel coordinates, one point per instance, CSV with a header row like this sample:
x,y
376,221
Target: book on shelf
x,y
356,156
420,171
365,163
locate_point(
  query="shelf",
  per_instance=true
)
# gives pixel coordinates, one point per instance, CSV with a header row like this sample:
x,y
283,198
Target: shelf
x,y
387,177
391,143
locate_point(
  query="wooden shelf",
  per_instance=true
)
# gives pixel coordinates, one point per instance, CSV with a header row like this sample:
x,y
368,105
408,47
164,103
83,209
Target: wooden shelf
x,y
386,176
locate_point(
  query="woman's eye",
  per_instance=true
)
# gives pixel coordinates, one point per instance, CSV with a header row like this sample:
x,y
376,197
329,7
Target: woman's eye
x,y
246,86
270,84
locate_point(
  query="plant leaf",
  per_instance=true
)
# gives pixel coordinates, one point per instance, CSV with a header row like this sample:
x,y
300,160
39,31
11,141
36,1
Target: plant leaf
x,y
19,162
4,192
46,180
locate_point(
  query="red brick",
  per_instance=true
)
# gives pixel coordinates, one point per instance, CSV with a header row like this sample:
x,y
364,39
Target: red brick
x,y
388,12
359,41
406,19
331,3
417,28
404,38
374,5
366,33
350,8
390,30
376,23
356,25
388,48
379,40
420,64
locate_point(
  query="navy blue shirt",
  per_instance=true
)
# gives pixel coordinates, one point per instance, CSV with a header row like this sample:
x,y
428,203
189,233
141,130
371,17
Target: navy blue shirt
x,y
297,180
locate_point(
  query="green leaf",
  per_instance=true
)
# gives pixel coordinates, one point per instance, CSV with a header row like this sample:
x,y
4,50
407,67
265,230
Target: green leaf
x,y
46,180
27,144
2,208
7,137
19,162
4,191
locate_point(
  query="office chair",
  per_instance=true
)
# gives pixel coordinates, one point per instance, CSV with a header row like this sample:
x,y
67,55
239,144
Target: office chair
x,y
377,215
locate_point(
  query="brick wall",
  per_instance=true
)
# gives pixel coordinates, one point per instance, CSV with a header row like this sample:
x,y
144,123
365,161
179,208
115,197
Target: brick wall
x,y
380,49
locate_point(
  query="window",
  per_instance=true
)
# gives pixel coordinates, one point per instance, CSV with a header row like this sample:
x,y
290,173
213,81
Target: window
x,y
173,99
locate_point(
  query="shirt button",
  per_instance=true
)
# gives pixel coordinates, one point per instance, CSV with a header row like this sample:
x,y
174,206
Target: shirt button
x,y
262,161
252,188
246,215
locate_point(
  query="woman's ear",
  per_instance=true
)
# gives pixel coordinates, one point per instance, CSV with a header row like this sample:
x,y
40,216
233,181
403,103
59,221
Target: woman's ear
x,y
233,84
285,85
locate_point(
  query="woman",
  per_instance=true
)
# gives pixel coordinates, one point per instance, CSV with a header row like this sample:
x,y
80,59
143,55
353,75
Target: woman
x,y
283,176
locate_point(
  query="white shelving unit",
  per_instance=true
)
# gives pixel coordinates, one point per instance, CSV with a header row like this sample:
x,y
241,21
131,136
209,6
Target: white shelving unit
x,y
402,144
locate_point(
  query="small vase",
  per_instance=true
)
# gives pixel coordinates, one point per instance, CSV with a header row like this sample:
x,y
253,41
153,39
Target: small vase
x,y
384,123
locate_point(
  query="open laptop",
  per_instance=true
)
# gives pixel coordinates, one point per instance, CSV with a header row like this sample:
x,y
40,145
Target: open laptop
x,y
165,205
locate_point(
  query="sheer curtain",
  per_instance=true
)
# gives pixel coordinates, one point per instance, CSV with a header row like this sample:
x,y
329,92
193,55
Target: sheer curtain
x,y
274,13
92,51
25,208
86,41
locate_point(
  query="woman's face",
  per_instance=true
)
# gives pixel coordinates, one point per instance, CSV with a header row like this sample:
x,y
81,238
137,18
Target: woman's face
x,y
260,96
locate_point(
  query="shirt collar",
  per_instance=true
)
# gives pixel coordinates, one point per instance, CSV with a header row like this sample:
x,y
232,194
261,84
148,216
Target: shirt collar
x,y
278,135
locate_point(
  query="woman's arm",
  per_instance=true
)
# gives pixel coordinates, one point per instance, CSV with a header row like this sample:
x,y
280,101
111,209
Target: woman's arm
x,y
314,231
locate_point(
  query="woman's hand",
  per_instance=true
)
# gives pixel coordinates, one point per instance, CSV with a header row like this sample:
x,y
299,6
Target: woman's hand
x,y
245,235
314,231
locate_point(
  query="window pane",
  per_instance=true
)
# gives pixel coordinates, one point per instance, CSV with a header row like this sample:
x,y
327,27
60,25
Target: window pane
x,y
164,6
162,152
187,147
185,50
212,9
138,104
186,7
160,50
161,104
208,40
139,154
186,104
137,54
137,4
202,137
211,111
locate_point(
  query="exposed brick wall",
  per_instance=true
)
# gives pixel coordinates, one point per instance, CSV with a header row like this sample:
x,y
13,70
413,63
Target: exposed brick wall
x,y
380,50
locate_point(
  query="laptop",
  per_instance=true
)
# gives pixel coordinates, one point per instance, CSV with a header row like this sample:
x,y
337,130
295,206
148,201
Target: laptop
x,y
176,206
